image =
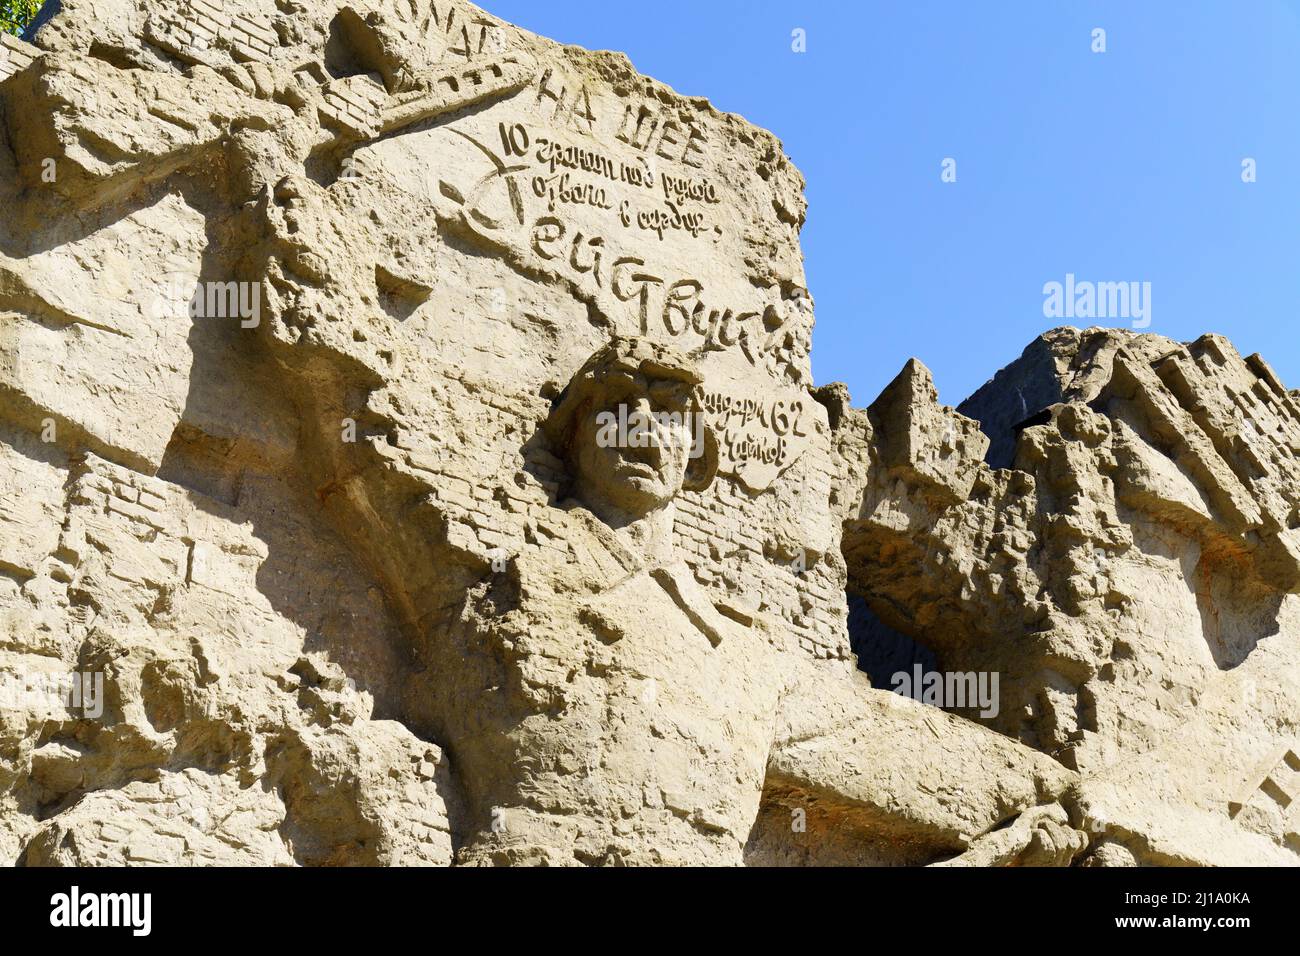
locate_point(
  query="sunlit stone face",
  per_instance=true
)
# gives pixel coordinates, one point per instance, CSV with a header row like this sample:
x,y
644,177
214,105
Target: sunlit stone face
x,y
633,442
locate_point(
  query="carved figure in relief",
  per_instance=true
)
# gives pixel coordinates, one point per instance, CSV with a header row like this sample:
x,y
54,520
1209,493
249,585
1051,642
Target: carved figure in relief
x,y
624,714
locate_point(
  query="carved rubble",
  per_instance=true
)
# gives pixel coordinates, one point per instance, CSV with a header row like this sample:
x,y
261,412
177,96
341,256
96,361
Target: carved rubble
x,y
312,319
1131,573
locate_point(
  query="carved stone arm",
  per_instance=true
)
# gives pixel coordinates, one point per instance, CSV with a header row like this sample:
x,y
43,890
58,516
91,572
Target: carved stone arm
x,y
887,765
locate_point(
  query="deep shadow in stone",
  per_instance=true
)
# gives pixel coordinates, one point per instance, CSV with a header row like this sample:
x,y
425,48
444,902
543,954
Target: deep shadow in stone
x,y
882,651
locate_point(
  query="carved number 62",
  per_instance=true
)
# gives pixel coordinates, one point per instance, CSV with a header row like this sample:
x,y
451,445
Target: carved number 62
x,y
784,422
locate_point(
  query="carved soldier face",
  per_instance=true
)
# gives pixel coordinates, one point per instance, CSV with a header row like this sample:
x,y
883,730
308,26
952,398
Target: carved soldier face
x,y
631,429
632,445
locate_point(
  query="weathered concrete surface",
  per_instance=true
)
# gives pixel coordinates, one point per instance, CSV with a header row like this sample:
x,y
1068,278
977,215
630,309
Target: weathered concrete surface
x,y
309,318
1132,574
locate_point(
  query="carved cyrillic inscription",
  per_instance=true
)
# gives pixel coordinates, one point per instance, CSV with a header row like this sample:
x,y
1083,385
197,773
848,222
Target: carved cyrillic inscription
x,y
573,175
541,195
570,103
646,129
760,437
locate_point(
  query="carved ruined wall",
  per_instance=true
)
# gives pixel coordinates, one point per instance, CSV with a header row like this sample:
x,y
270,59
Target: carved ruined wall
x,y
442,216
288,295
1133,573
641,212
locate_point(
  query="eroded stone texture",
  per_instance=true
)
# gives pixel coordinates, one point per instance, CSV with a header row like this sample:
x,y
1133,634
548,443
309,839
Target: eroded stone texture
x,y
1131,573
308,316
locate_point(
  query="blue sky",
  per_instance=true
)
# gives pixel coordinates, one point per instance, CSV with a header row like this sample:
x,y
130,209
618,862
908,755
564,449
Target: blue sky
x,y
1116,166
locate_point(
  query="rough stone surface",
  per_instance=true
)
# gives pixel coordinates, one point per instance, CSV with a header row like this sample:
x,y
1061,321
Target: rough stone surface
x,y
311,318
1133,574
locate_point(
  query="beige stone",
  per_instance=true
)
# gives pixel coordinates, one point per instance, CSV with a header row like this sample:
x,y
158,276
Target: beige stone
x,y
410,456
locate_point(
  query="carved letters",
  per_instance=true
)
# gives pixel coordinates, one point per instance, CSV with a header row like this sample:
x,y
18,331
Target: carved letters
x,y
560,179
759,437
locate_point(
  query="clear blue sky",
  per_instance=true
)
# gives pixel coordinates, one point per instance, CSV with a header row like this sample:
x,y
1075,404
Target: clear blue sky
x,y
1115,166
